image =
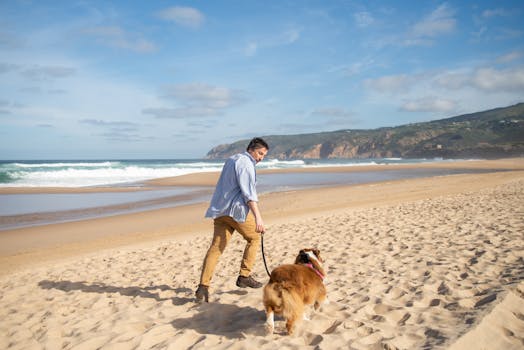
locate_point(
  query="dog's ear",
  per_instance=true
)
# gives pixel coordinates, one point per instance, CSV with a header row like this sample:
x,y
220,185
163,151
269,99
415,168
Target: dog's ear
x,y
317,254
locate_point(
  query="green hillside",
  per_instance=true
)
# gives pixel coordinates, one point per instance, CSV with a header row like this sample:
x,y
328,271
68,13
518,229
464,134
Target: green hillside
x,y
489,134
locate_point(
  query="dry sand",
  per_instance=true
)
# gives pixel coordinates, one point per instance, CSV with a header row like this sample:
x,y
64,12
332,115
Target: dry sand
x,y
412,264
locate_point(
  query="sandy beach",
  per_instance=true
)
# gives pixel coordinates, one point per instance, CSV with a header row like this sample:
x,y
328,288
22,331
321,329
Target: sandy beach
x,y
429,263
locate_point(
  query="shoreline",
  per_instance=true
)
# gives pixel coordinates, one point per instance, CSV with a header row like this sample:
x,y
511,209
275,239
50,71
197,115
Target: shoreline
x,y
26,246
206,179
37,209
48,217
29,207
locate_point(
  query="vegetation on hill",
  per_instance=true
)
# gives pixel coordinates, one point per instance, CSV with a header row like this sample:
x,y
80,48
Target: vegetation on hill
x,y
488,134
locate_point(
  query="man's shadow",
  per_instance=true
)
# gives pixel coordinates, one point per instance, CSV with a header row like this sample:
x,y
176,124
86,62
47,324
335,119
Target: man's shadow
x,y
228,320
133,291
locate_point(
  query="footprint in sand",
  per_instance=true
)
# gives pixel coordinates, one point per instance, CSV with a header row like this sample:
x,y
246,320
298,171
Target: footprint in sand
x,y
397,317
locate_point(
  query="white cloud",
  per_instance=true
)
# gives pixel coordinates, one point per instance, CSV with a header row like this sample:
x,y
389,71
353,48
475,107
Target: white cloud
x,y
196,100
429,104
115,130
441,21
355,68
486,79
47,72
185,16
391,84
182,112
283,38
38,72
449,91
491,79
204,95
510,57
452,79
115,36
126,137
112,124
88,95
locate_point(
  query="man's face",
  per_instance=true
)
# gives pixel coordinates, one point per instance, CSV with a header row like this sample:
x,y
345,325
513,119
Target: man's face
x,y
258,154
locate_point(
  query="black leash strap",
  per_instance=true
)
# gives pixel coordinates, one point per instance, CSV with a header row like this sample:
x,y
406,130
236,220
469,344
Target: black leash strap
x,y
263,255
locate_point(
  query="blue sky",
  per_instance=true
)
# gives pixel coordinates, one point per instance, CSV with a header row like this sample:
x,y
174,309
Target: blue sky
x,y
171,79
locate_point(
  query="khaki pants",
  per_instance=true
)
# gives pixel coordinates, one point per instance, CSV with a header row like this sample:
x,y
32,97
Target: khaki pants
x,y
224,227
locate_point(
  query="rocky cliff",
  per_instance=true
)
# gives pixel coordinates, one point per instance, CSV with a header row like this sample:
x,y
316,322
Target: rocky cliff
x,y
488,134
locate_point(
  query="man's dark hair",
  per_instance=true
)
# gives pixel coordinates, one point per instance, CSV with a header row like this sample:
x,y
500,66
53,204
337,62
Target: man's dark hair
x,y
256,143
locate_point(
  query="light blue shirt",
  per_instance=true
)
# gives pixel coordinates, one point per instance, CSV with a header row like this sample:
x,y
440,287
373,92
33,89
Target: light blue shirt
x,y
235,188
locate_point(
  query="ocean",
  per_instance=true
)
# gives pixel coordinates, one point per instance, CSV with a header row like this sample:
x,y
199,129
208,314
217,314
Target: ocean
x,y
86,173
30,209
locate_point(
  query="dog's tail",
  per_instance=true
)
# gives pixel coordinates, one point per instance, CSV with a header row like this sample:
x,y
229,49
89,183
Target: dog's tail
x,y
283,300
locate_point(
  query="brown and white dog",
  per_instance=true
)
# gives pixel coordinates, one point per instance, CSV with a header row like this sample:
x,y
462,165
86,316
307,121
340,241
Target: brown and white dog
x,y
291,287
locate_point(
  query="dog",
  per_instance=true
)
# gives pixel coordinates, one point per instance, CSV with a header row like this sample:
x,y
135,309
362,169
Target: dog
x,y
293,286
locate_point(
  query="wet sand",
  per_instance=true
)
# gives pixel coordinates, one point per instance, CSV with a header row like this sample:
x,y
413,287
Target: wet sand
x,y
40,206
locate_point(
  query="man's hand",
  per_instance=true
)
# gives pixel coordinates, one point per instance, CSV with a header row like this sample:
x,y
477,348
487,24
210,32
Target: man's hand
x,y
258,218
260,226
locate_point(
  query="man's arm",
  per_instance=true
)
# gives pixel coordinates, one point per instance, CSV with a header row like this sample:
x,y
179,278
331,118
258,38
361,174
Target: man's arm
x,y
258,217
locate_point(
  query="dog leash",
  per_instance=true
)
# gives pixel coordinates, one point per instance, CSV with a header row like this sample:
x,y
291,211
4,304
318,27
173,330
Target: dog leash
x,y
264,255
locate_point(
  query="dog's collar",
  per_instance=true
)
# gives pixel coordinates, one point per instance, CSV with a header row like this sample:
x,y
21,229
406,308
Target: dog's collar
x,y
310,265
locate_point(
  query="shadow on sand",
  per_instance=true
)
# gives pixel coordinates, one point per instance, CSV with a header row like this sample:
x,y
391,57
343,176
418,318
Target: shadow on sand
x,y
151,292
230,321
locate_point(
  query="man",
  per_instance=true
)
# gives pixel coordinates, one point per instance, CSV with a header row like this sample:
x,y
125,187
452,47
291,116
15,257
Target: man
x,y
234,207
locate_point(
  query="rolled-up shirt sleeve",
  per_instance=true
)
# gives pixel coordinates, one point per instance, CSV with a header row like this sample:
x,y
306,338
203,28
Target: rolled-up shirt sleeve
x,y
246,177
235,188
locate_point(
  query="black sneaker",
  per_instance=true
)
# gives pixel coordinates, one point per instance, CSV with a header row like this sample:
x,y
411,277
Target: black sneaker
x,y
249,281
202,293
